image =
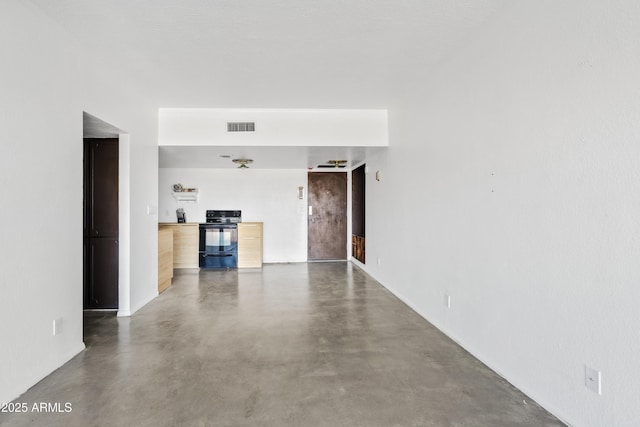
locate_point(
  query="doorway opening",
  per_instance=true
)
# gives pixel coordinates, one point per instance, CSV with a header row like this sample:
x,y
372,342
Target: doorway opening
x,y
358,213
95,128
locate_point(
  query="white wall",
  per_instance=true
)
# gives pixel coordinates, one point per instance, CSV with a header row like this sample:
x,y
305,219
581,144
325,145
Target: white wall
x,y
46,82
263,195
41,167
516,171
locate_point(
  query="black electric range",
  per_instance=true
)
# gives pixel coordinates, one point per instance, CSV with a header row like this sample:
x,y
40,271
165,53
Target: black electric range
x,y
218,247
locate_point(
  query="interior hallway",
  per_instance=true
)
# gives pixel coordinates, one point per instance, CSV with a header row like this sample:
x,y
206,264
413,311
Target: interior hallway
x,y
319,344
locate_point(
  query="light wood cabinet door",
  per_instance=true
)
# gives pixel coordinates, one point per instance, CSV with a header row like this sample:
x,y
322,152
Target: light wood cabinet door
x,y
185,244
165,258
250,244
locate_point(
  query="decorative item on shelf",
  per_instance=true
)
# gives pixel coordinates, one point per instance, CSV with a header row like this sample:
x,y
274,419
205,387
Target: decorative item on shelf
x,y
243,163
186,195
177,187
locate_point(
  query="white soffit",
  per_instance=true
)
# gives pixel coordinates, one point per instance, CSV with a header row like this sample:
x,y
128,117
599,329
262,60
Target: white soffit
x,y
282,138
273,127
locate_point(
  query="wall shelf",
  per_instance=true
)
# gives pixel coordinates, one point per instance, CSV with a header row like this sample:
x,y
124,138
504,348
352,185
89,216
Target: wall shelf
x,y
185,196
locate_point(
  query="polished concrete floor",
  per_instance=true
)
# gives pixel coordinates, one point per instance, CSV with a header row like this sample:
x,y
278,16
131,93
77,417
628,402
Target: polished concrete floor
x,y
317,344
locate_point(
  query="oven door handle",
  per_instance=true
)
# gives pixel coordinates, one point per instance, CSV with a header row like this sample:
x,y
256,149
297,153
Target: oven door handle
x,y
216,255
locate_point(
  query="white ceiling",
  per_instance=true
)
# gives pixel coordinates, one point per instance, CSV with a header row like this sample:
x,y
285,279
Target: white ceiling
x,y
263,157
273,53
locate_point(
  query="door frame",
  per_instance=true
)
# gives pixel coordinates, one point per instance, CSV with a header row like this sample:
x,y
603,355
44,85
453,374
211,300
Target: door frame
x,y
124,211
124,226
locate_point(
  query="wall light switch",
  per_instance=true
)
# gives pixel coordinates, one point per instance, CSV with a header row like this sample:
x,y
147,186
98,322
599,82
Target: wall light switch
x,y
57,327
447,300
593,379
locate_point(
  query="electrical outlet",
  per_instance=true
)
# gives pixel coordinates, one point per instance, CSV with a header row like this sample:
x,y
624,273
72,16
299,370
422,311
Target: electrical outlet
x,y
593,379
447,300
57,327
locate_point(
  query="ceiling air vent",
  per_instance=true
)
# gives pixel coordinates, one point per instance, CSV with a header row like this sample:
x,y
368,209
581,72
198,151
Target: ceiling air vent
x,y
241,127
334,164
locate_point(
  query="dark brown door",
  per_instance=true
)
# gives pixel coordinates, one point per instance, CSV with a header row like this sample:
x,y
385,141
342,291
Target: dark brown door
x,y
101,223
327,229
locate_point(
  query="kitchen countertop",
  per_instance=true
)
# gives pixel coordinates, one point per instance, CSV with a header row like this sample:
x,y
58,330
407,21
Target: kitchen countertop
x,y
178,223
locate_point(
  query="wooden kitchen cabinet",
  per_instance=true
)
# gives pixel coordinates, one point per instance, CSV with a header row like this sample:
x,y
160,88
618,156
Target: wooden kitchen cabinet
x,y
165,258
185,244
250,245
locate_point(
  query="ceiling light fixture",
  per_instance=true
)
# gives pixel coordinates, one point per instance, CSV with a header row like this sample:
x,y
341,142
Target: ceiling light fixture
x,y
337,163
243,163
